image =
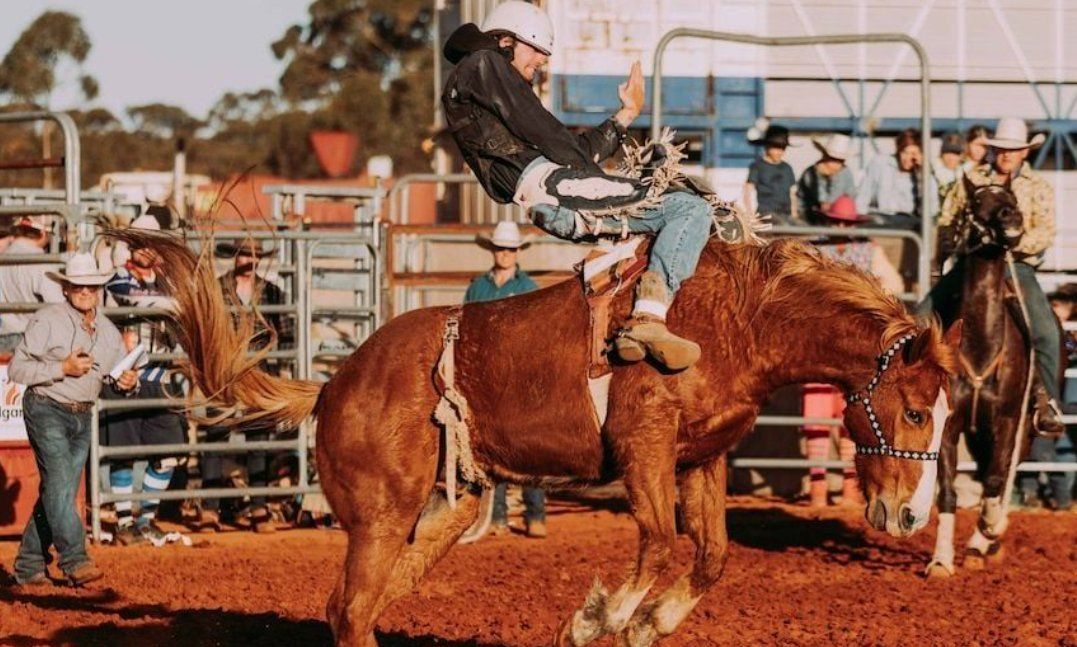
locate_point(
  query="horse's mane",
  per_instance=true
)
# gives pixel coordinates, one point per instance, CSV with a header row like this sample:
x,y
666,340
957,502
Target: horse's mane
x,y
770,277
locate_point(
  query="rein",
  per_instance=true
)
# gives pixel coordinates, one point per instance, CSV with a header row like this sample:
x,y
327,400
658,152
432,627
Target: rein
x,y
977,380
863,396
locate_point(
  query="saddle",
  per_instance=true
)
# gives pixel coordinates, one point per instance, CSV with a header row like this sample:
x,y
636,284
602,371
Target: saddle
x,y
604,274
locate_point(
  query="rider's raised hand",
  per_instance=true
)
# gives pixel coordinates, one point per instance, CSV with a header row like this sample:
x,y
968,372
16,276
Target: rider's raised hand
x,y
631,93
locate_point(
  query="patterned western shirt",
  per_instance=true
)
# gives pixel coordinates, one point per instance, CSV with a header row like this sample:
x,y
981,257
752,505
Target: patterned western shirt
x,y
1035,198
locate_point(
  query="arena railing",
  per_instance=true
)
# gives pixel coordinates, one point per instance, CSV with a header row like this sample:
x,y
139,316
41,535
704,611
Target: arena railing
x,y
71,208
927,225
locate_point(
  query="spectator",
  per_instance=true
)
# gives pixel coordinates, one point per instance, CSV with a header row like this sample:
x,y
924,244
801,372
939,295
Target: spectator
x,y
1036,200
67,351
947,169
25,282
1059,492
822,182
823,400
976,149
135,285
769,188
243,285
506,279
890,188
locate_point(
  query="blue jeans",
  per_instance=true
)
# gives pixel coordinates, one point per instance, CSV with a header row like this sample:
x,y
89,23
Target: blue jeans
x,y
682,224
61,440
945,298
534,505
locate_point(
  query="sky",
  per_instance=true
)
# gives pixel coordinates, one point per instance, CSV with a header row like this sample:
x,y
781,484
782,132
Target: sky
x,y
186,52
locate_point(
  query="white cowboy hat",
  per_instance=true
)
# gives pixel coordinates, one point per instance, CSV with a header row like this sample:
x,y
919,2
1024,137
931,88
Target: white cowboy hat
x,y
836,146
506,236
1012,134
80,269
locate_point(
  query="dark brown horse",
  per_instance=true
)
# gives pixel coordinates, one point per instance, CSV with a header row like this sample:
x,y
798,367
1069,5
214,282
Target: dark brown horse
x,y
765,316
990,391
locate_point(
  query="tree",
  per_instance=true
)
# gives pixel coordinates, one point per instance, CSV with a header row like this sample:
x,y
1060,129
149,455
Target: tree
x,y
164,121
28,71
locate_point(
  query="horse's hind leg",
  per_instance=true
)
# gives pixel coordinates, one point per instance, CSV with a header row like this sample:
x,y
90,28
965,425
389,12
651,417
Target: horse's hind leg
x,y
438,529
703,508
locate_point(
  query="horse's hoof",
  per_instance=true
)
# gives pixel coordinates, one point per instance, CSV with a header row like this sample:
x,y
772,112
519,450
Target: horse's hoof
x,y
975,562
996,554
937,571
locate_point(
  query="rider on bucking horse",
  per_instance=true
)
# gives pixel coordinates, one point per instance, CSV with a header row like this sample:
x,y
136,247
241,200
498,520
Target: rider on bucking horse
x,y
1036,199
522,154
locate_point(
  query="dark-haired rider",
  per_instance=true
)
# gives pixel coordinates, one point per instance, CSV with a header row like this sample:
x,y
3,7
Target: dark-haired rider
x,y
521,153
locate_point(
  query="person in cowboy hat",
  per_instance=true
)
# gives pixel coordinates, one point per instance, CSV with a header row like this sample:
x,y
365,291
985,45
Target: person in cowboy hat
x,y
245,285
769,188
25,282
1036,200
506,279
135,284
822,182
522,154
67,352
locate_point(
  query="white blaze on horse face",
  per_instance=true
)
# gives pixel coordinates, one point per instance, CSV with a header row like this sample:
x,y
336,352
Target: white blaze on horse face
x,y
920,502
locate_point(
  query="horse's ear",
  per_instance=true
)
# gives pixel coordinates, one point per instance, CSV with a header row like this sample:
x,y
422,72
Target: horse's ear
x,y
970,187
952,338
918,348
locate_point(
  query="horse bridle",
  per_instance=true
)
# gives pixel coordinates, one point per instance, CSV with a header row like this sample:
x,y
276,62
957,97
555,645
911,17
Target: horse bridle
x,y
863,396
973,229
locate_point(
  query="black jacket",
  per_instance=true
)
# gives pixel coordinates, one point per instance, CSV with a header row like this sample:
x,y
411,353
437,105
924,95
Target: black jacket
x,y
501,126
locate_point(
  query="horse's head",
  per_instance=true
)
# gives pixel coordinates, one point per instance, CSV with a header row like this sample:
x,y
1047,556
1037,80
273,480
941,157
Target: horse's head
x,y
897,421
992,220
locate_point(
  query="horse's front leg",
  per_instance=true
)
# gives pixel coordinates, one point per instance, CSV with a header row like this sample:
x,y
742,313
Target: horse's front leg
x,y
985,544
703,504
942,561
647,454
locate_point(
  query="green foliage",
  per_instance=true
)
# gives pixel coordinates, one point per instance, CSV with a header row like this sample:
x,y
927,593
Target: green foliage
x,y
28,71
359,65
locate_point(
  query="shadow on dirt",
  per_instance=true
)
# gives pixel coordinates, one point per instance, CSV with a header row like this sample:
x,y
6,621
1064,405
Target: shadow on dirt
x,y
832,540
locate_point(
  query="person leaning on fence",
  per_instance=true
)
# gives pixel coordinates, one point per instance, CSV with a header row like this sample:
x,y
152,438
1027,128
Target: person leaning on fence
x,y
769,187
24,282
245,285
506,279
824,400
67,351
976,148
135,285
824,181
1036,200
521,153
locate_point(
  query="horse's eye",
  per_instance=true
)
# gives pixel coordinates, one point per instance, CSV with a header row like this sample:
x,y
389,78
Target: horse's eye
x,y
914,417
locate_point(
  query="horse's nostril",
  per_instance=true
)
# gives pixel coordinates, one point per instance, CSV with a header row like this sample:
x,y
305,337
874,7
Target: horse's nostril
x,y
906,518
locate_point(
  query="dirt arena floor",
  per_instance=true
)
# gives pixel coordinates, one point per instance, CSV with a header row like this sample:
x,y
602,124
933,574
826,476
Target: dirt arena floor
x,y
794,578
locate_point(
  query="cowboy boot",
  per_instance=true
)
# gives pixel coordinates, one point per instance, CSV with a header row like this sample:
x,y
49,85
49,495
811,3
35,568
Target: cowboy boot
x,y
1046,414
646,333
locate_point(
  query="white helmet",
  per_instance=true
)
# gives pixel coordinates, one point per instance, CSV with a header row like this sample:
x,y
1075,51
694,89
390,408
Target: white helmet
x,y
525,21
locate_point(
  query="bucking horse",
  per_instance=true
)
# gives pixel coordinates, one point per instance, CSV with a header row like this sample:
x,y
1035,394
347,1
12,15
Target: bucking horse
x,y
765,315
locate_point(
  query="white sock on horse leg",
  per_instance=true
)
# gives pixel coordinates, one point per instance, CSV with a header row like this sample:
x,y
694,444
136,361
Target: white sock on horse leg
x,y
944,540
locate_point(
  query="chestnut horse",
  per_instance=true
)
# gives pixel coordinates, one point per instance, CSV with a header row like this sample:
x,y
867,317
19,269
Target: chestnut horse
x,y
766,316
990,392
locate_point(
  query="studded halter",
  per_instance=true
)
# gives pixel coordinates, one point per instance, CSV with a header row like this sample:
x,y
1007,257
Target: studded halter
x,y
864,397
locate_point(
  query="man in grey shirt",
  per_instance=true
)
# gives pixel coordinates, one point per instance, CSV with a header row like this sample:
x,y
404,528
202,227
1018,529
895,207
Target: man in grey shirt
x,y
25,282
67,352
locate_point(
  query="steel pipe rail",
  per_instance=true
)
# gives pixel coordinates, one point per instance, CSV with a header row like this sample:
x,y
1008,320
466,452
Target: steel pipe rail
x,y
210,493
927,224
72,154
145,451
399,206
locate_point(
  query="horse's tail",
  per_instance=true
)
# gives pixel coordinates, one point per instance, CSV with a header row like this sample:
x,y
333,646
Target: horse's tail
x,y
217,342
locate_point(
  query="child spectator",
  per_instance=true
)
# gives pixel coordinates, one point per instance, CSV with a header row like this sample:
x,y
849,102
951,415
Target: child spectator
x,y
769,188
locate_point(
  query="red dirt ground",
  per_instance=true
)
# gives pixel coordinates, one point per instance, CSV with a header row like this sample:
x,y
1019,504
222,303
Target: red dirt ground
x,y
794,578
